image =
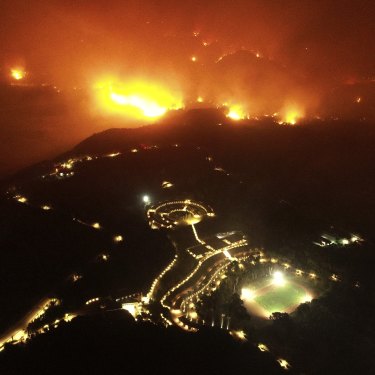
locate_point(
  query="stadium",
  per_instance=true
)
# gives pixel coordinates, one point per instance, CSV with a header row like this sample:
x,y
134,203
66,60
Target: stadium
x,y
278,292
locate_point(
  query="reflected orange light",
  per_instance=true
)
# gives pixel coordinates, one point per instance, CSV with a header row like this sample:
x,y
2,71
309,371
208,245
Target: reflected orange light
x,y
136,99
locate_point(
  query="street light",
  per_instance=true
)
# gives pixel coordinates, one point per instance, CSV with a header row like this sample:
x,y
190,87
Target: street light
x,y
146,199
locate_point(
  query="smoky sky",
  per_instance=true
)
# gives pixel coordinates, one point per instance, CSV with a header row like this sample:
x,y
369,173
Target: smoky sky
x,y
309,52
69,41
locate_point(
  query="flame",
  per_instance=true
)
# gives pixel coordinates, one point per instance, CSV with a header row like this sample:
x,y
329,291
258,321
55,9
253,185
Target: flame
x,y
236,112
149,108
292,115
136,99
17,73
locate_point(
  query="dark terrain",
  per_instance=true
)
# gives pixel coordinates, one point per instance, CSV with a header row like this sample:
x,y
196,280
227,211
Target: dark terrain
x,y
282,186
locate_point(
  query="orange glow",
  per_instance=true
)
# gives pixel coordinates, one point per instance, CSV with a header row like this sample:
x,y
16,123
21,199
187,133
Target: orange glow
x,y
17,73
291,115
236,112
136,99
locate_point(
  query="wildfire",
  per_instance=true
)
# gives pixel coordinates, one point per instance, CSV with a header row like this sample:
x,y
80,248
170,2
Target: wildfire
x,y
17,73
136,99
149,108
236,113
291,116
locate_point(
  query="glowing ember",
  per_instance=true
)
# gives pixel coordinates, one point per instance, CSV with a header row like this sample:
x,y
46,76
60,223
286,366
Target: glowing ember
x,y
136,99
17,73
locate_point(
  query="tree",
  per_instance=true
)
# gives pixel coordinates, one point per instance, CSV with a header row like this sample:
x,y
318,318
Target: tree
x,y
279,317
237,311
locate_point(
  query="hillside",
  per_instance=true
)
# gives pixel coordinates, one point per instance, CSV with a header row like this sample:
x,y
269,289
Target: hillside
x,y
281,186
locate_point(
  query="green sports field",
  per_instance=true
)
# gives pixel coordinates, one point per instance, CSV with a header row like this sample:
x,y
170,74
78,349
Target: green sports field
x,y
281,298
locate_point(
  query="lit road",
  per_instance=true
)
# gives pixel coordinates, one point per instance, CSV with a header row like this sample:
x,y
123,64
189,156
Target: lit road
x,y
18,331
196,283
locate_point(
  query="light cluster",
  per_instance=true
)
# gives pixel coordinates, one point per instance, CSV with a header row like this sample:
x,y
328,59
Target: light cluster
x,y
157,280
20,334
284,363
92,300
328,240
174,213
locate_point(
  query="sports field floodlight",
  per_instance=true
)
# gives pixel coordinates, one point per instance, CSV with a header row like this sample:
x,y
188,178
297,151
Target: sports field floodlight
x,y
278,278
247,294
306,298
